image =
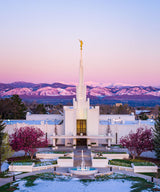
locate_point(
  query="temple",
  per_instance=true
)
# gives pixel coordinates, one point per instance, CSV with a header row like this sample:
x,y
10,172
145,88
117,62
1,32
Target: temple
x,y
81,121
81,124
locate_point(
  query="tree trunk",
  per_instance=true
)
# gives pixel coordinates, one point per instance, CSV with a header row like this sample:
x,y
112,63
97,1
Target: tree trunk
x,y
134,156
31,155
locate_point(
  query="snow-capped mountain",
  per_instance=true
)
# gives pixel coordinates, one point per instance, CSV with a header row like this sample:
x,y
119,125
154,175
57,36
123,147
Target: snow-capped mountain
x,y
61,89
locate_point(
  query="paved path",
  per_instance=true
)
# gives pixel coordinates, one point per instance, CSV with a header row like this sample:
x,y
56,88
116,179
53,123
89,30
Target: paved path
x,y
130,173
4,181
78,157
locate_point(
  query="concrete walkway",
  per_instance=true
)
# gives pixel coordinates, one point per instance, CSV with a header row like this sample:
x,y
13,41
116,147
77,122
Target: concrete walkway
x,y
78,157
4,181
130,173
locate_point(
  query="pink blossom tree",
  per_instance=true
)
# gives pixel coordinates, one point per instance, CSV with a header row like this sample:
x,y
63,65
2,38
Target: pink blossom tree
x,y
27,139
138,142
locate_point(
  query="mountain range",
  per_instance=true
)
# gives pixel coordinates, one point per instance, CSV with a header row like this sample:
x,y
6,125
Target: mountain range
x,y
61,89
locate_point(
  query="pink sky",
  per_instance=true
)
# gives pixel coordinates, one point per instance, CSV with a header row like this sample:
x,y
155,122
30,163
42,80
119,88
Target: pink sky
x,y
39,41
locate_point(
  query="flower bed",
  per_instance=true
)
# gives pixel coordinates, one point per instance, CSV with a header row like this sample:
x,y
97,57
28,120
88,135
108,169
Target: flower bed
x,y
22,163
109,152
120,162
111,155
52,154
65,157
143,164
99,158
45,163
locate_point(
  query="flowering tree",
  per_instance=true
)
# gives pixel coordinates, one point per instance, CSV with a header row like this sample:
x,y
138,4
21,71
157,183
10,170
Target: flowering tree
x,y
27,139
138,142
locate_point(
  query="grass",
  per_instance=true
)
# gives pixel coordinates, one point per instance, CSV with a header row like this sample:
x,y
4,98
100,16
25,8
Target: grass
x,y
127,162
120,162
156,175
54,152
8,187
138,185
99,158
22,163
4,174
143,164
19,159
109,152
65,157
118,146
38,164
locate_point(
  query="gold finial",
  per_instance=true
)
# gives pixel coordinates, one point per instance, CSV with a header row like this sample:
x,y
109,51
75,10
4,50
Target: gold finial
x,y
81,43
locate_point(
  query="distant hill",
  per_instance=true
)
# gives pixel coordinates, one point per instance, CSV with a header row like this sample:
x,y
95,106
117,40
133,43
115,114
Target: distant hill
x,y
64,90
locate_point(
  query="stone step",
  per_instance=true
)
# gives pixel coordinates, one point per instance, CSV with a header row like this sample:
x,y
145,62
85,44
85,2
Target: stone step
x,y
78,158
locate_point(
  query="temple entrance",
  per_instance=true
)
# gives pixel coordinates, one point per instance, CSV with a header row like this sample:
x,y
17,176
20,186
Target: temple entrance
x,y
81,130
81,127
81,142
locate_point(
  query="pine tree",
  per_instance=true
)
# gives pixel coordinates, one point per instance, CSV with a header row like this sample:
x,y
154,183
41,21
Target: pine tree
x,y
156,131
5,148
2,126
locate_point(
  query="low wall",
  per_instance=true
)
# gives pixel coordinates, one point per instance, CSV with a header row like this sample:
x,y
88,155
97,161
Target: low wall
x,y
99,162
65,162
29,168
52,155
43,167
113,156
121,168
21,168
145,169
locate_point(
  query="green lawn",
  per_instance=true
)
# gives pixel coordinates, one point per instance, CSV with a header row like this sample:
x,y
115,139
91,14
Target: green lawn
x,y
65,157
120,162
156,175
127,162
99,158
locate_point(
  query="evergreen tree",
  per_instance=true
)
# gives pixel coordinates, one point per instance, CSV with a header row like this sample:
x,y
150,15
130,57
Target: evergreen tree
x,y
2,126
156,131
40,109
12,108
18,107
5,148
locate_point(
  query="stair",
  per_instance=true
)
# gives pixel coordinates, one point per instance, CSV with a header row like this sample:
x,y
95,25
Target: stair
x,y
78,157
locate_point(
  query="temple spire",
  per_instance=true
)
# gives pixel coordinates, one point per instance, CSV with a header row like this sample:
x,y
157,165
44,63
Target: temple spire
x,y
81,76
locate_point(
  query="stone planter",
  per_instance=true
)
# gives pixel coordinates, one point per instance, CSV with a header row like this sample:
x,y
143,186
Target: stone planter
x,y
52,155
65,162
99,162
145,169
21,168
113,155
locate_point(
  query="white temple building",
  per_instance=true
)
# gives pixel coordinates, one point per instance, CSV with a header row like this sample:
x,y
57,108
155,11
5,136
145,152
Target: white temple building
x,y
81,124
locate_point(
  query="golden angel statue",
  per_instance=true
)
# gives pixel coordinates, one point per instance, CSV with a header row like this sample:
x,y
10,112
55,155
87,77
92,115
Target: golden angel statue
x,y
81,44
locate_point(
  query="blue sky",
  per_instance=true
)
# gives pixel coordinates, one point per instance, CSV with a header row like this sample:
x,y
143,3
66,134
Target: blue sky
x,y
39,40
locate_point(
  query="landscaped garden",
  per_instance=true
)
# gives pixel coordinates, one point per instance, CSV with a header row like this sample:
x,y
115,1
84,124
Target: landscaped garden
x,y
49,182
